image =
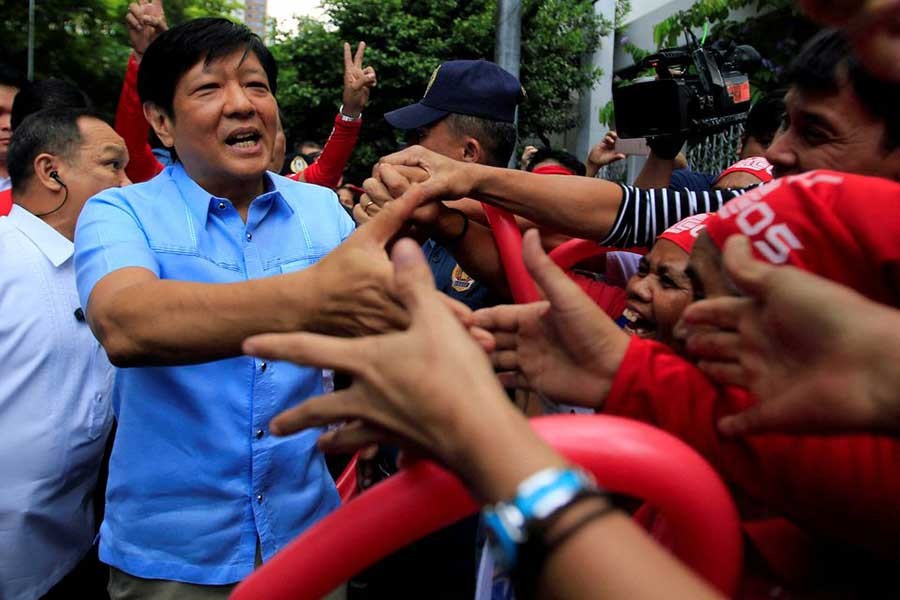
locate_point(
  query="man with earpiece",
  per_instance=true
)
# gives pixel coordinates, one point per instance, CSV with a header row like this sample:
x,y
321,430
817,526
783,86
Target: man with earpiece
x,y
55,409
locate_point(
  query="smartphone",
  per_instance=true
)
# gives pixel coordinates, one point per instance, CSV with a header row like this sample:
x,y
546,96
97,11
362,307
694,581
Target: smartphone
x,y
633,146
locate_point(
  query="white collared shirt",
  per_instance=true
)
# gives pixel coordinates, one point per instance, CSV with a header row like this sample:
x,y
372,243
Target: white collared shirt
x,y
55,410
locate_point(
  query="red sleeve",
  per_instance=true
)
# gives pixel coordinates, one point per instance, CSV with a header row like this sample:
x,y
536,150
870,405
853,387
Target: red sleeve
x,y
838,486
608,297
329,167
132,126
5,202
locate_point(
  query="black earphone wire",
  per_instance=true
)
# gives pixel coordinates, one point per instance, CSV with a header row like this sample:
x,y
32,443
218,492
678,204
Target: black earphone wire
x,y
61,204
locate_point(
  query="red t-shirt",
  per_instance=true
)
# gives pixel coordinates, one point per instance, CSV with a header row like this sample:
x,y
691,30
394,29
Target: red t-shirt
x,y
5,202
608,297
843,486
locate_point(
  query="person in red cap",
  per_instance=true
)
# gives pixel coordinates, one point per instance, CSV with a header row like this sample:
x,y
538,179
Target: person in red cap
x,y
820,488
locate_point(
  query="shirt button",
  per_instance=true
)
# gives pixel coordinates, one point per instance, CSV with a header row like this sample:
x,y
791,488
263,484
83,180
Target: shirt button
x,y
259,498
263,367
259,434
221,206
249,236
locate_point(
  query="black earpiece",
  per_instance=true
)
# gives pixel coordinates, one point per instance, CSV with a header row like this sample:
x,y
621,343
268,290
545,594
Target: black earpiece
x,y
54,175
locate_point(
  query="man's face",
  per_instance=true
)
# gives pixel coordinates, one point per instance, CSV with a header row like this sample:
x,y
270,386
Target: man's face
x,y
834,132
98,164
7,95
438,137
658,293
224,122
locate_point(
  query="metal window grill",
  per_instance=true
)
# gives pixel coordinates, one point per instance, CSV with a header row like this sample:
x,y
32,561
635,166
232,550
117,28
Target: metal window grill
x,y
717,152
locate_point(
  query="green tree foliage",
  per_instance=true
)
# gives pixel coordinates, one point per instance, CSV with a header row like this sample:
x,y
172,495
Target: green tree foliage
x,y
777,32
407,39
84,42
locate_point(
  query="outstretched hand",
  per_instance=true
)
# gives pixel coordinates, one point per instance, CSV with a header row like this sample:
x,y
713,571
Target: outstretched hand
x,y
144,21
565,347
819,356
358,81
407,385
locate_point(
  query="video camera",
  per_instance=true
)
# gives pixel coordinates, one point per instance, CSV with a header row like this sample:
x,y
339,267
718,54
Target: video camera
x,y
697,91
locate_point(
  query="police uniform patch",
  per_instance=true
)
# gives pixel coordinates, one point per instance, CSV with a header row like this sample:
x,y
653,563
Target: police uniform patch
x,y
460,280
431,81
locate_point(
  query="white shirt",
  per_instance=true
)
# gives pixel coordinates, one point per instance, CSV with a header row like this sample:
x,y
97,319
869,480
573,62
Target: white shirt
x,y
55,410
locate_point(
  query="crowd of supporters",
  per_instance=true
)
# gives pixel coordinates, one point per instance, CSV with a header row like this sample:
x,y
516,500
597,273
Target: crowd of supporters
x,y
200,321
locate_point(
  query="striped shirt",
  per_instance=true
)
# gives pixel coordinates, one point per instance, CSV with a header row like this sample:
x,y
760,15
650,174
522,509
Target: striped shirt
x,y
644,214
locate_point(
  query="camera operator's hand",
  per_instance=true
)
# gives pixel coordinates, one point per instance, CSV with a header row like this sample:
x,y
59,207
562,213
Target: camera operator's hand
x,y
666,147
602,154
144,21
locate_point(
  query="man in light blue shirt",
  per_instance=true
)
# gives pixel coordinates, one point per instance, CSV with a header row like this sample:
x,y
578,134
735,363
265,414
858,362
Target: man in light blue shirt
x,y
55,409
174,273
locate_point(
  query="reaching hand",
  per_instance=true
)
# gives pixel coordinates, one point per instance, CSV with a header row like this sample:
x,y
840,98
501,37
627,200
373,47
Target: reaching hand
x,y
819,357
566,348
527,153
448,179
604,153
145,20
358,81
407,384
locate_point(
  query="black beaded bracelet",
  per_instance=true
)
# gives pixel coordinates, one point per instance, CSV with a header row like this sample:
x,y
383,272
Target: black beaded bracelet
x,y
535,551
458,237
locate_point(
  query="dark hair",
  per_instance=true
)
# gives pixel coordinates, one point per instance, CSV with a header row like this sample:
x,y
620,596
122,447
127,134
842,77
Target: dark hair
x,y
821,67
498,138
177,50
567,160
49,93
10,76
765,118
53,130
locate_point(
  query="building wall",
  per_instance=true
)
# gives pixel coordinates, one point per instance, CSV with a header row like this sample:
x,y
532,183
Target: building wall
x,y
255,16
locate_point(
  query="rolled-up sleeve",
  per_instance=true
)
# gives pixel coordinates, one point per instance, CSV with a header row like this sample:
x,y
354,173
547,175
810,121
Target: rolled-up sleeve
x,y
108,237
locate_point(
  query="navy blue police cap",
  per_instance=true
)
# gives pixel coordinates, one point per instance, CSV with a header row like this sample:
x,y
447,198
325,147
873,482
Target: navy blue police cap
x,y
467,87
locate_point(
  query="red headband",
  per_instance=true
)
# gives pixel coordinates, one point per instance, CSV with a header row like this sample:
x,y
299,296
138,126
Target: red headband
x,y
684,233
843,227
553,170
757,166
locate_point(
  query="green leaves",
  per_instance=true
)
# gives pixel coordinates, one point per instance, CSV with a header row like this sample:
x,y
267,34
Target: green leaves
x,y
407,39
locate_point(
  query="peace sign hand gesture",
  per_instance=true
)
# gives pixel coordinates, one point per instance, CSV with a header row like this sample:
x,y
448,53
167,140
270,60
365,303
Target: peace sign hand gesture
x,y
145,20
357,81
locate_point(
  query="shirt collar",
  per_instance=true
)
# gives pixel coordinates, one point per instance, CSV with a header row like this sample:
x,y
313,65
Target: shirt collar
x,y
200,201
49,241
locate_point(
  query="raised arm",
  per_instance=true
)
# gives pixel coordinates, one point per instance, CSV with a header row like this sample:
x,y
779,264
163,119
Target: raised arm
x,y
358,81
582,207
144,22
